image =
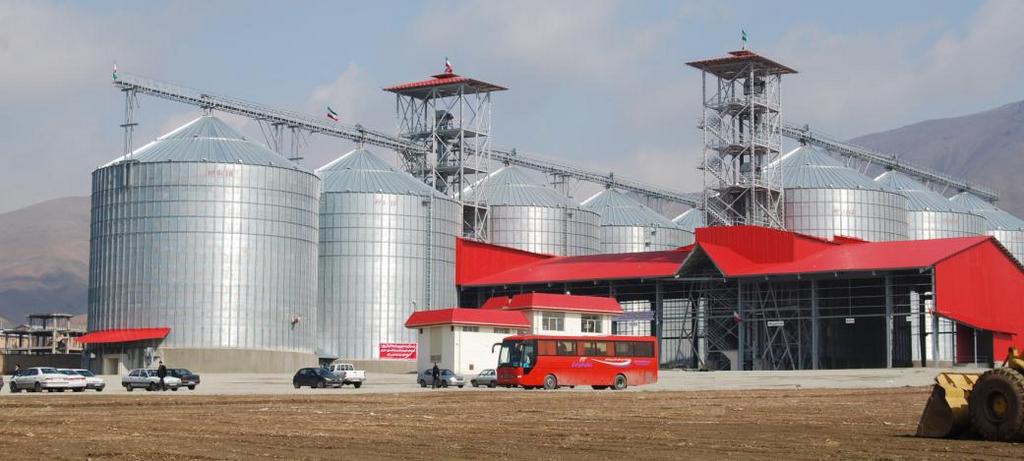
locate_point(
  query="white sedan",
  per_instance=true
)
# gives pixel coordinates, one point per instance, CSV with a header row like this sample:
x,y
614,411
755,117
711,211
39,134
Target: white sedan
x,y
143,378
38,378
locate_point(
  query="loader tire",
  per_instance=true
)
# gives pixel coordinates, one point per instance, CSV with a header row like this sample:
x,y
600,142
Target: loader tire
x,y
997,405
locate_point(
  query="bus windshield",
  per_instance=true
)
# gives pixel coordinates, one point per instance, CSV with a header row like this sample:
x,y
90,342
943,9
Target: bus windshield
x,y
518,354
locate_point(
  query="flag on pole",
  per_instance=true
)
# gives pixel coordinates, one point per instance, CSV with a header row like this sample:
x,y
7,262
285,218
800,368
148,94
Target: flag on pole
x,y
743,35
115,71
448,69
331,114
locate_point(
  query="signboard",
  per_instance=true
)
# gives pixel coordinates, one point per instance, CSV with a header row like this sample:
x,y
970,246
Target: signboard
x,y
850,320
645,316
397,351
776,323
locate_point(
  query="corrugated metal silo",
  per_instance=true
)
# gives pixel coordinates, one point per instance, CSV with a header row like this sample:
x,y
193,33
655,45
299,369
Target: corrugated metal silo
x,y
929,214
387,247
531,217
627,226
214,236
823,198
690,220
1005,227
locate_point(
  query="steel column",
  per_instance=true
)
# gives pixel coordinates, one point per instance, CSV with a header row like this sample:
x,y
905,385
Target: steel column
x,y
888,321
815,331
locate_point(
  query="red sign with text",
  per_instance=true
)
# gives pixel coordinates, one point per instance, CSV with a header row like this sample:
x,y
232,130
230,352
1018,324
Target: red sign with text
x,y
398,351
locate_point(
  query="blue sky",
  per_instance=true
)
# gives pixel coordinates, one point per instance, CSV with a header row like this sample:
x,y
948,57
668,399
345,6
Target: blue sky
x,y
601,83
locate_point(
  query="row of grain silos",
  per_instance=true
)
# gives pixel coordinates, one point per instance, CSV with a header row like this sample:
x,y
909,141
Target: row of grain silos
x,y
254,263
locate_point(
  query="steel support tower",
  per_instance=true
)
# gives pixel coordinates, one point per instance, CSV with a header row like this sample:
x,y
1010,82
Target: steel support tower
x,y
741,123
450,116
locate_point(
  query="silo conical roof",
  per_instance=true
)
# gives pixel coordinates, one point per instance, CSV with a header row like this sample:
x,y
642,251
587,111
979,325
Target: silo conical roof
x,y
206,139
919,196
511,186
618,209
690,219
996,218
362,171
808,167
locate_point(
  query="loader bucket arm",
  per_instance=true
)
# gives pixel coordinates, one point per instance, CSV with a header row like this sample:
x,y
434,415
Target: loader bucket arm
x,y
946,414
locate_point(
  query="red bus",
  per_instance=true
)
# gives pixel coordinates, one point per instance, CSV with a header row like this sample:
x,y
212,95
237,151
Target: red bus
x,y
533,361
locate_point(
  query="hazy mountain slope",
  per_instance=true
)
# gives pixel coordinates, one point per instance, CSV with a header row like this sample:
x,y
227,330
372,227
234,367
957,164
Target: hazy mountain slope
x,y
44,258
987,148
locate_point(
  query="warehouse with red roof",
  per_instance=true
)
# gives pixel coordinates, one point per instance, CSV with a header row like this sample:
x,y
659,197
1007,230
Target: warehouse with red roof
x,y
747,297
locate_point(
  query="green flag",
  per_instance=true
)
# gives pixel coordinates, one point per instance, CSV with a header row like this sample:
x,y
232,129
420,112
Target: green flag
x,y
744,35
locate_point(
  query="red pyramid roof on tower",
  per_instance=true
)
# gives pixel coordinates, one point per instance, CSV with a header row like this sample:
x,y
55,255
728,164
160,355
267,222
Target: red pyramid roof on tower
x,y
439,81
727,66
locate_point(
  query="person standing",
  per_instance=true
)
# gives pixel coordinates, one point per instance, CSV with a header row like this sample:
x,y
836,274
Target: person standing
x,y
161,372
436,374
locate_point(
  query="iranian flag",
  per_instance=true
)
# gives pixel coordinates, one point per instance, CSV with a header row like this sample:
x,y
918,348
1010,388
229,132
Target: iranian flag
x,y
331,114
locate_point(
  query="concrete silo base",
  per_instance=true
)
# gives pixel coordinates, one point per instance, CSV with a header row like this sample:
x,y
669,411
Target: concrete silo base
x,y
237,360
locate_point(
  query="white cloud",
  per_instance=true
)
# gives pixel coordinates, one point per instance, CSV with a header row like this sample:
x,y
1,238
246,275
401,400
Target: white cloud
x,y
855,83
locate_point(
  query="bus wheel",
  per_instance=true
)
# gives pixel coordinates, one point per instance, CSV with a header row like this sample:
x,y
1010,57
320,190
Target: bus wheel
x,y
550,382
620,383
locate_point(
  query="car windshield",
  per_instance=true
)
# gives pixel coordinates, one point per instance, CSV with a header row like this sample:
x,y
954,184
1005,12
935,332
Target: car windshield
x,y
48,370
446,372
67,372
323,372
518,354
85,373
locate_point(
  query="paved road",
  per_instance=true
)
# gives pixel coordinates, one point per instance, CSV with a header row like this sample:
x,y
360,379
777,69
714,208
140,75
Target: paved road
x,y
669,380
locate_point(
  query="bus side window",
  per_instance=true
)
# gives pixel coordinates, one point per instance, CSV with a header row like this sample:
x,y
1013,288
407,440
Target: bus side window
x,y
643,349
595,348
566,347
624,348
545,347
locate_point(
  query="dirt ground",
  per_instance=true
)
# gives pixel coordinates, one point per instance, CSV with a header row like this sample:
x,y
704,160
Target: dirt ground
x,y
452,424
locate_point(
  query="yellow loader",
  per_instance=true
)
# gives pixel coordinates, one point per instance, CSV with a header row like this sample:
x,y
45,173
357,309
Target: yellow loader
x,y
989,404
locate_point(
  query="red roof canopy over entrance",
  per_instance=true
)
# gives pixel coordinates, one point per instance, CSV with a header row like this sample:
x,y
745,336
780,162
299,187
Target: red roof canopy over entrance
x,y
126,335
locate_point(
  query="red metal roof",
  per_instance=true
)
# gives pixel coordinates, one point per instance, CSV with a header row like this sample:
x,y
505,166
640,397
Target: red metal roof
x,y
593,267
126,335
727,66
461,316
868,256
558,302
439,80
474,260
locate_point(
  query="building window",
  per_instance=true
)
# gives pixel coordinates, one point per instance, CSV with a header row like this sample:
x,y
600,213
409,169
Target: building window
x,y
469,328
590,323
503,331
553,321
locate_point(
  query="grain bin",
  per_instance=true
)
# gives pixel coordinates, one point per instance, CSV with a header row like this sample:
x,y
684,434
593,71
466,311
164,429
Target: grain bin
x,y
387,248
525,215
929,214
823,198
213,236
1005,227
627,226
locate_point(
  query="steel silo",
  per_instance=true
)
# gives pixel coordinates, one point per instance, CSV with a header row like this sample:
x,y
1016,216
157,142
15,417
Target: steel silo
x,y
525,215
387,248
211,235
627,226
929,214
823,198
690,220
1005,227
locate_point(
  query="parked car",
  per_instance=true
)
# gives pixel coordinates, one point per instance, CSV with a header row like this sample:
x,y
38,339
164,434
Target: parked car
x,y
188,379
91,380
38,378
76,382
348,374
315,377
448,378
147,379
487,378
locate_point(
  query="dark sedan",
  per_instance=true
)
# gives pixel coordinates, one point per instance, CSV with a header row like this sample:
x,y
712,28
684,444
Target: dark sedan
x,y
315,377
189,379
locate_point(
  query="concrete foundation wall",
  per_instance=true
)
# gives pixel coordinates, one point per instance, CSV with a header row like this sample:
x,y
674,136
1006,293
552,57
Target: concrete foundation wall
x,y
8,361
236,360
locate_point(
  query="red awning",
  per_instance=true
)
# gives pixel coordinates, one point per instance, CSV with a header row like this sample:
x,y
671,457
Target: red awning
x,y
126,335
463,316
